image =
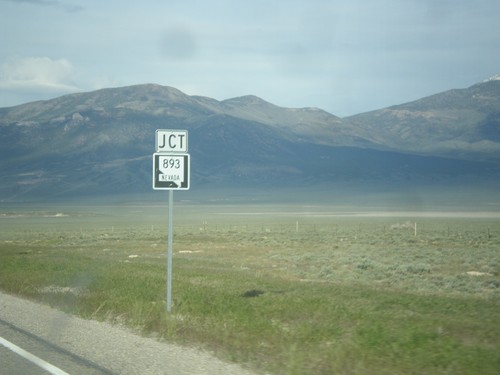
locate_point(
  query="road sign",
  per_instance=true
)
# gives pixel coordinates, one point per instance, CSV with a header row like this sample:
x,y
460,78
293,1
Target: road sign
x,y
171,171
171,168
168,140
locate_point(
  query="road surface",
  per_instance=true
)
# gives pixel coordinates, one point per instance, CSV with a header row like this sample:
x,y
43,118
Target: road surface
x,y
78,346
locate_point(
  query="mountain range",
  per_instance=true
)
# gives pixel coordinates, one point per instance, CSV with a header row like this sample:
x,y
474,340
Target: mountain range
x,y
101,142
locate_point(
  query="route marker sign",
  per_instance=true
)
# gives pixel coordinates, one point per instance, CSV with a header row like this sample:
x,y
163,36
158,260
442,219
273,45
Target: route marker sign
x,y
168,140
171,171
171,168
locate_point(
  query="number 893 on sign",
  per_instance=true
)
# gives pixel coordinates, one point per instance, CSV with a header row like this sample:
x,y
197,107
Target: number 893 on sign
x,y
172,163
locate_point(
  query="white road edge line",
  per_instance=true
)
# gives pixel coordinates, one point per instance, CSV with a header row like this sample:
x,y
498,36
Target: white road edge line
x,y
32,358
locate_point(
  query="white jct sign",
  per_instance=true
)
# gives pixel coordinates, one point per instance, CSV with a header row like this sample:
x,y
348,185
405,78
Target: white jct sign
x,y
168,140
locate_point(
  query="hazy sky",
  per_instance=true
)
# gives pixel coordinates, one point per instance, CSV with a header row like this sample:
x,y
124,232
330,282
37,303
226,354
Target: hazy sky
x,y
344,56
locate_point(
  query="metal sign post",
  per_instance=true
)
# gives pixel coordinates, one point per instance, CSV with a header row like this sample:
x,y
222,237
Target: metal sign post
x,y
169,250
171,170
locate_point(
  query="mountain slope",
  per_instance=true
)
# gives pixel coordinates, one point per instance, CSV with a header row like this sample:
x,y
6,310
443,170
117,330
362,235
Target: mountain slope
x,y
462,123
102,142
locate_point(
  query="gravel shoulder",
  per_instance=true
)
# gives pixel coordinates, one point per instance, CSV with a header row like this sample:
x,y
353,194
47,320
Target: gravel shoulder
x,y
115,348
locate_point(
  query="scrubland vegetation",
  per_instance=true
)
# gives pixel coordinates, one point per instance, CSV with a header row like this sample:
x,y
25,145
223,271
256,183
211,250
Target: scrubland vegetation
x,y
300,290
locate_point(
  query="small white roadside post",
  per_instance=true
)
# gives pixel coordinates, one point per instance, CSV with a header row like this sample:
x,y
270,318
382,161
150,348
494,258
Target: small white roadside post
x,y
171,170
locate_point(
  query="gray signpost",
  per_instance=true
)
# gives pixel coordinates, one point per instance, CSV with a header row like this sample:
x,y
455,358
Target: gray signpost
x,y
171,169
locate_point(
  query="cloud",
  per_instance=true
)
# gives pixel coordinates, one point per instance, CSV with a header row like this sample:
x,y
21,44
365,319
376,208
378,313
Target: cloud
x,y
50,3
178,44
37,75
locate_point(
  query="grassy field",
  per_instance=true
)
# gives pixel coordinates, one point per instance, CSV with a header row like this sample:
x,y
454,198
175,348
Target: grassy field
x,y
281,289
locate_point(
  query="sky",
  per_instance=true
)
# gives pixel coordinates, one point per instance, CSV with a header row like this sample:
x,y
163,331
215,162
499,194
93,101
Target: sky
x,y
343,56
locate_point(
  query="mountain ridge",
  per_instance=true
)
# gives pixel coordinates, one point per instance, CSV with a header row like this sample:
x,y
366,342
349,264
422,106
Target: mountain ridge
x,y
460,123
96,142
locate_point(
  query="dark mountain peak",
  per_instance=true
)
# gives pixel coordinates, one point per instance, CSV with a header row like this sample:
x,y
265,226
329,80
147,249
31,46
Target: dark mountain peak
x,y
487,88
255,102
247,100
459,123
483,97
138,97
152,99
252,107
148,89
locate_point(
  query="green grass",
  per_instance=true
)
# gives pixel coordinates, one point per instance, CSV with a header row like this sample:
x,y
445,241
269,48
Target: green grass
x,y
330,296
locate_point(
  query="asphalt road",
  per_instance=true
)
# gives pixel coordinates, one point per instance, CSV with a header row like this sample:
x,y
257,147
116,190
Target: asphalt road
x,y
22,352
78,346
12,363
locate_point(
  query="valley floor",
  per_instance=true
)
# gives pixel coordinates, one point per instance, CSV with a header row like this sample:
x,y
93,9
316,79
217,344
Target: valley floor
x,y
280,288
